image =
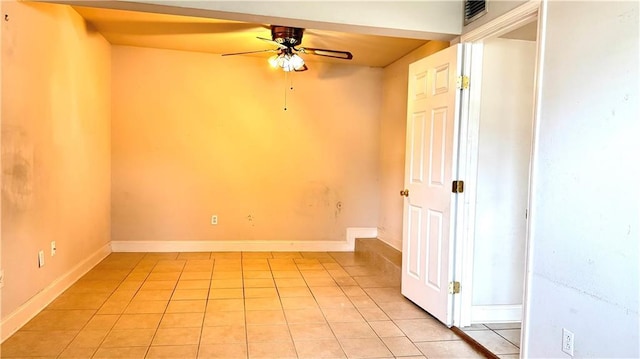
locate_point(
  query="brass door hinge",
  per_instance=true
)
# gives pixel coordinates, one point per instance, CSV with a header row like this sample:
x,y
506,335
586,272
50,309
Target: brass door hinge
x,y
457,187
454,287
462,82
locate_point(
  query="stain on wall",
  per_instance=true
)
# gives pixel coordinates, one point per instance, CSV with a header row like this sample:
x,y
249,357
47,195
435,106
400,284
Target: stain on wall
x,y
17,170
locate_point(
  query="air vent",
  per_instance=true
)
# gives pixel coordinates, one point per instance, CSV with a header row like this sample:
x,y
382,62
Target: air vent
x,y
473,9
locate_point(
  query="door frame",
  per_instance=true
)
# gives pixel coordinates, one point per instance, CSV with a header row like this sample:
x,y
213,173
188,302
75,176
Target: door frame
x,y
469,134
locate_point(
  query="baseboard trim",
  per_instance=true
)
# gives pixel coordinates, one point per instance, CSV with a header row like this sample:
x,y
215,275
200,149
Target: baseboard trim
x,y
348,245
496,313
38,302
392,244
359,232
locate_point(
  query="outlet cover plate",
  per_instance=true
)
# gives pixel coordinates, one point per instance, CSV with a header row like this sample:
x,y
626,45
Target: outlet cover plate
x,y
567,341
40,259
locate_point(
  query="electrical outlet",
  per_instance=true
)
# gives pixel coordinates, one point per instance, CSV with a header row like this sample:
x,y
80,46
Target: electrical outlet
x,y
567,341
53,248
40,259
214,219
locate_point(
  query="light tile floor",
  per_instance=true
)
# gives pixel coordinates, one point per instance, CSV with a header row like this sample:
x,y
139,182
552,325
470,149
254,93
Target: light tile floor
x,y
234,305
501,339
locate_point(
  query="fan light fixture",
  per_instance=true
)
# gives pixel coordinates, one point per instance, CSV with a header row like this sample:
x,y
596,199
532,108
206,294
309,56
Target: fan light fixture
x,y
288,41
287,60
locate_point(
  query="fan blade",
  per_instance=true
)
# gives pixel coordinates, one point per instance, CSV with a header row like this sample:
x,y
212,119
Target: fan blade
x,y
272,42
345,55
303,68
249,52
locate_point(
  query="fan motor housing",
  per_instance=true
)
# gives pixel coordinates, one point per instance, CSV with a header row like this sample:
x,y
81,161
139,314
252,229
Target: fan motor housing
x,y
288,36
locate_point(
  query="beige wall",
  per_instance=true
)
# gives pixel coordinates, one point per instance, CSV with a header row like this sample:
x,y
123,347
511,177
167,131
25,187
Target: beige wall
x,y
198,134
55,145
393,119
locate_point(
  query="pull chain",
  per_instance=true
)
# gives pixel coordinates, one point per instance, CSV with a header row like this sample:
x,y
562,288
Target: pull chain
x,y
285,90
290,78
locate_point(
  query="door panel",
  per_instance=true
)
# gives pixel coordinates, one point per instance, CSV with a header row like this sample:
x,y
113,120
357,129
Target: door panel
x,y
434,244
414,245
420,86
437,150
441,79
429,169
417,154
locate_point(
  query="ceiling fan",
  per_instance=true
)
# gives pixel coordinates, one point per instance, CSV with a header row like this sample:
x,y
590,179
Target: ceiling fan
x,y
288,40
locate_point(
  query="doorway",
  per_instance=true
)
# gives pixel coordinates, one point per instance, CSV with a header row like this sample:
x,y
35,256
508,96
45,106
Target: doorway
x,y
498,172
488,244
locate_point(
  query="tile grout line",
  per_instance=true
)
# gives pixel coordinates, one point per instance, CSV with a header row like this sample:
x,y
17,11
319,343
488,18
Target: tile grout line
x,y
496,331
244,306
146,353
293,343
206,304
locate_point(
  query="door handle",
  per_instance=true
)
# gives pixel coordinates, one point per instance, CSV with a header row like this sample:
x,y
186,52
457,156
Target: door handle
x,y
404,193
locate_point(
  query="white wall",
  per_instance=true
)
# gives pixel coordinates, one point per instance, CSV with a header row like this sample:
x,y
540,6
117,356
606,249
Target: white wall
x,y
503,171
585,216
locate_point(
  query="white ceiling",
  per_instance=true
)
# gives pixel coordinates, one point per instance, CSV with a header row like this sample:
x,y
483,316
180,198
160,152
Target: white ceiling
x,y
175,32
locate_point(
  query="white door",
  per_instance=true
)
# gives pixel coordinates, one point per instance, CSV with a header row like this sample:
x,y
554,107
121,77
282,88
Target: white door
x,y
430,167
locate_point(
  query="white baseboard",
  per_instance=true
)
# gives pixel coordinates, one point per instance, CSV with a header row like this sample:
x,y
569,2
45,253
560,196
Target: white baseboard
x,y
359,232
38,302
496,313
348,245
